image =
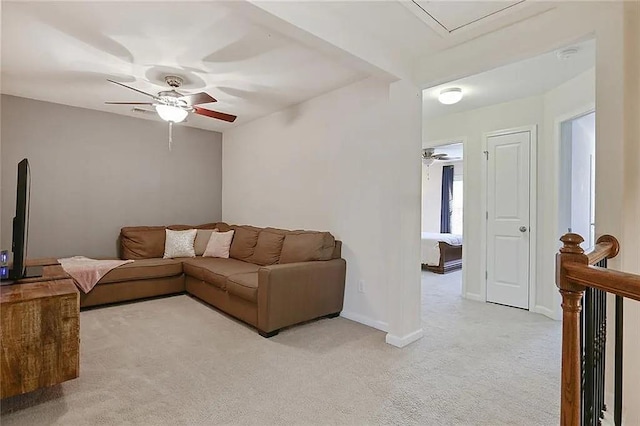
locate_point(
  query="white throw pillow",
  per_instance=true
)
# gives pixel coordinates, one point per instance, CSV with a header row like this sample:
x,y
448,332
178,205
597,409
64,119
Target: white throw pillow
x,y
179,243
219,244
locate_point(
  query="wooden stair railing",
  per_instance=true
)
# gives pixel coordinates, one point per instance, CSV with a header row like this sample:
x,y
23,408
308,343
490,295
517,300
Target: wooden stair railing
x,y
574,273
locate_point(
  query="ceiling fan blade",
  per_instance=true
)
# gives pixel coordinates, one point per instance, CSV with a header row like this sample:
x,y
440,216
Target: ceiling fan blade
x,y
214,114
198,98
129,103
134,89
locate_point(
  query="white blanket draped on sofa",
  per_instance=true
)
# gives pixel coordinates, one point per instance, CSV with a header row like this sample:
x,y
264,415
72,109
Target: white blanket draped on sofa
x,y
430,249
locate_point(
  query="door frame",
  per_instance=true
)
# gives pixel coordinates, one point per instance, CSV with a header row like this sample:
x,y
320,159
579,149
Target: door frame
x,y
533,204
585,109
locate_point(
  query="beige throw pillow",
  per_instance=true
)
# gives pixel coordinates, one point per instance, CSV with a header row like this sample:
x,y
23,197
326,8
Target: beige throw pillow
x,y
179,243
202,238
219,244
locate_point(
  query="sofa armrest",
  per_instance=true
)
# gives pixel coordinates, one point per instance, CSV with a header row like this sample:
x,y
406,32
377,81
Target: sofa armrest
x,y
296,292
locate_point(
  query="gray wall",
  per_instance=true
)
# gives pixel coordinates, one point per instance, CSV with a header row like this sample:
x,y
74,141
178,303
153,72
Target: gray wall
x,y
94,172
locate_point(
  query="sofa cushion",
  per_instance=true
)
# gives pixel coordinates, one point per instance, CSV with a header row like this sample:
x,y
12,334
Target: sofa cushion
x,y
215,270
244,286
143,269
304,246
268,247
206,226
223,226
244,241
147,242
142,242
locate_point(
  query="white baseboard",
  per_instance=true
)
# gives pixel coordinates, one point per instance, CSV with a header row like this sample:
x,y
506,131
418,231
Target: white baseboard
x,y
474,296
379,325
543,310
403,341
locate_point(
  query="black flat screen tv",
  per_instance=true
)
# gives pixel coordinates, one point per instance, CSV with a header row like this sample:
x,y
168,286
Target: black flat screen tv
x,y
20,235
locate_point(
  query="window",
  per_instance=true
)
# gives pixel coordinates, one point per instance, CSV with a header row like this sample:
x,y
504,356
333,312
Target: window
x,y
456,206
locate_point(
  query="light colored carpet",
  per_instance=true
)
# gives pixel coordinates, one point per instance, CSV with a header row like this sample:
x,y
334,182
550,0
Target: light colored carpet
x,y
176,361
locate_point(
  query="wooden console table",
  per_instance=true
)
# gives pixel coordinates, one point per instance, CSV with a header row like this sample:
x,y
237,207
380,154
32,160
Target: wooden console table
x,y
39,331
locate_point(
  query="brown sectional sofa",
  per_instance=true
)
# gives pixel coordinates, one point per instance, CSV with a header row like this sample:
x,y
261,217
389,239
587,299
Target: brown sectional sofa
x,y
273,278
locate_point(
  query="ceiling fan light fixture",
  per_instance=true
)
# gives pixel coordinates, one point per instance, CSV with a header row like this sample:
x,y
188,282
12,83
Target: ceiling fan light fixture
x,y
171,113
450,96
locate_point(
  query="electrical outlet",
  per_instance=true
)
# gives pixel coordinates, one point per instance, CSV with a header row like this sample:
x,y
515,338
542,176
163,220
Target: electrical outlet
x,y
361,286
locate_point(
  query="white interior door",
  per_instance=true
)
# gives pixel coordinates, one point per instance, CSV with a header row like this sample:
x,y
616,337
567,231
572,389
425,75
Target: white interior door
x,y
508,217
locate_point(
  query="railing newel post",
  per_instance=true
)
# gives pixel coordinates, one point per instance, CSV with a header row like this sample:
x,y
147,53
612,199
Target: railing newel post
x,y
570,391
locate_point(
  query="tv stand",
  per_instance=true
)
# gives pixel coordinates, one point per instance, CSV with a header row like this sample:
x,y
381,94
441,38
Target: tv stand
x,y
40,328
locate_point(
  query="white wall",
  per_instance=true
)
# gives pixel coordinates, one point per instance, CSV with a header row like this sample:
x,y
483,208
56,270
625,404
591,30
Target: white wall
x,y
432,193
572,98
630,241
347,162
93,172
471,125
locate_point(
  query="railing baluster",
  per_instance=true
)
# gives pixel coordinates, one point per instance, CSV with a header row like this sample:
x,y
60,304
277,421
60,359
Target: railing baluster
x,y
617,410
589,320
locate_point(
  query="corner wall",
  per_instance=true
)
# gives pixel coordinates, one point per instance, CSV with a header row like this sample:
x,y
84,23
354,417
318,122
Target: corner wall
x,y
94,172
630,243
347,162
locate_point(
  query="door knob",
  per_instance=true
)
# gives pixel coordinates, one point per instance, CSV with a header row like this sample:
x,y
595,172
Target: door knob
x,y
523,229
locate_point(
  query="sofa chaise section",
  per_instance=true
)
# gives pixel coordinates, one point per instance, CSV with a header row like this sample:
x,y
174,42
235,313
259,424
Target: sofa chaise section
x,y
141,279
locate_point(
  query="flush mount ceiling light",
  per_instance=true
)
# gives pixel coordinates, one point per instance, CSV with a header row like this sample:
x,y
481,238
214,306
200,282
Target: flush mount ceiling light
x,y
171,113
567,53
450,96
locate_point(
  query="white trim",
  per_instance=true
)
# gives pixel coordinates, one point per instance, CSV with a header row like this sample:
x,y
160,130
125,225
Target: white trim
x,y
543,310
533,205
484,170
444,142
533,217
379,325
474,296
403,341
557,142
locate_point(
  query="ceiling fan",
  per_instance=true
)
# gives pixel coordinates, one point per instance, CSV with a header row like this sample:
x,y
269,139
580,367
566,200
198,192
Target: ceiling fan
x,y
173,106
429,156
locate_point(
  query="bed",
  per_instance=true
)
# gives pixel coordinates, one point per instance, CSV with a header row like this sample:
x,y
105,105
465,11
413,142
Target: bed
x,y
441,253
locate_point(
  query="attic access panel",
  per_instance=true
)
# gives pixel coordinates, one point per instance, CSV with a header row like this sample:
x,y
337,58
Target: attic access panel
x,y
449,16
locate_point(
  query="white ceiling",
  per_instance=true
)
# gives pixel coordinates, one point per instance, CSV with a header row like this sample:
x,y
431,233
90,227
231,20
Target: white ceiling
x,y
254,57
452,150
518,80
64,52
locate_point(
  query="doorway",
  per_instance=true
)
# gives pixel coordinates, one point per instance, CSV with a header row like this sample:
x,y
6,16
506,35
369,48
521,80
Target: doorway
x,y
577,176
510,216
442,211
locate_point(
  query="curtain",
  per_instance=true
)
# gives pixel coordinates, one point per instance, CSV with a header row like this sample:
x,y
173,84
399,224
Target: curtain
x,y
447,195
